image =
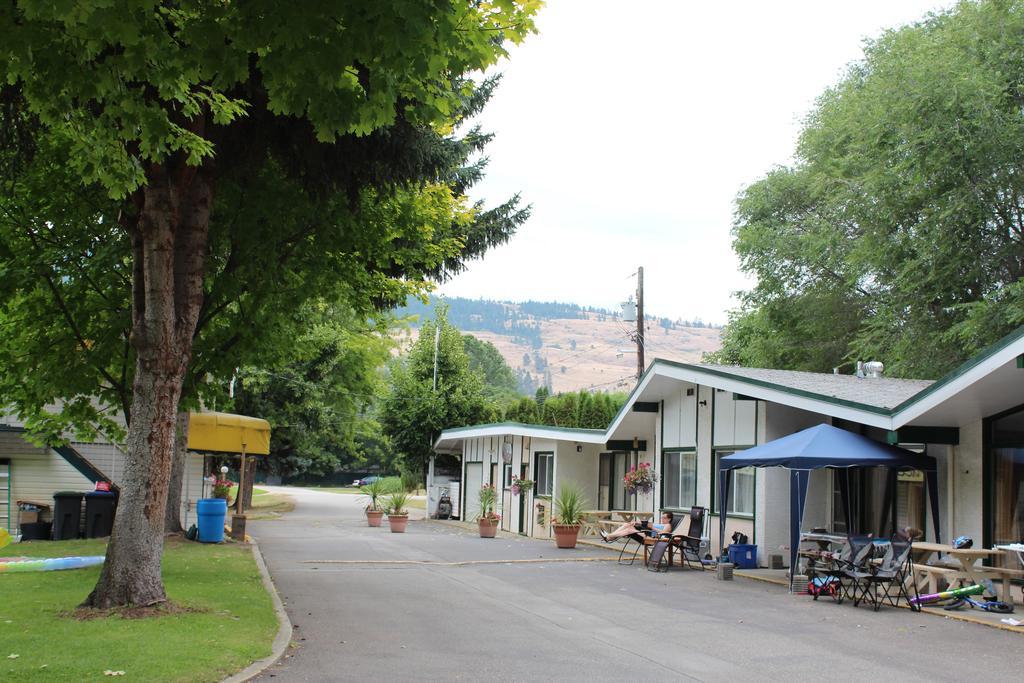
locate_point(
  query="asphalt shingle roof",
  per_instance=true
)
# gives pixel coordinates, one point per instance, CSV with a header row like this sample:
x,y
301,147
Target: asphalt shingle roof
x,y
883,392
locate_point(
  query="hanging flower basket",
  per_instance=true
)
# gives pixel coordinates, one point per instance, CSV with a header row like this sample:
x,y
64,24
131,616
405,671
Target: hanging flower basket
x,y
521,486
640,479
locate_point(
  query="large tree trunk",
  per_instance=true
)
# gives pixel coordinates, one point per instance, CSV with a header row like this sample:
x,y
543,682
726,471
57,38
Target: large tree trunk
x,y
172,520
168,252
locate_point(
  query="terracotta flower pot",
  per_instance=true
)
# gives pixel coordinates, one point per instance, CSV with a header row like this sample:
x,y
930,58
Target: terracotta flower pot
x,y
566,535
374,517
488,527
398,523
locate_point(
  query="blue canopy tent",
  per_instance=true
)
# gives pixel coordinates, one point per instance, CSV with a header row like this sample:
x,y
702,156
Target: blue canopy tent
x,y
825,446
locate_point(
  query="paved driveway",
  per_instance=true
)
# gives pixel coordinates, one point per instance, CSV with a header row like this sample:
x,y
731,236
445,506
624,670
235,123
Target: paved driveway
x,y
439,603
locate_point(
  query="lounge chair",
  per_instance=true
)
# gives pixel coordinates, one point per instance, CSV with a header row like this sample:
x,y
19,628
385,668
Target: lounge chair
x,y
688,542
638,538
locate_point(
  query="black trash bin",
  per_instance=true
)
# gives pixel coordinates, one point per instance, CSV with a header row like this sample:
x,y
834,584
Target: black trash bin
x,y
99,513
67,515
35,531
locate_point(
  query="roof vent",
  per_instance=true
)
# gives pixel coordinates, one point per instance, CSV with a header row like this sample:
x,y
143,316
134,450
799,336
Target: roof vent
x,y
874,369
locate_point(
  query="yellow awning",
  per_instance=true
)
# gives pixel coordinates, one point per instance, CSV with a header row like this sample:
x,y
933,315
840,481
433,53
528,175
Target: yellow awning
x,y
227,433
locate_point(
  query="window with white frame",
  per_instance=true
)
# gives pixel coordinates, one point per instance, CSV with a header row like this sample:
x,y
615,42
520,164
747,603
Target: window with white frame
x,y
679,479
544,471
507,476
741,489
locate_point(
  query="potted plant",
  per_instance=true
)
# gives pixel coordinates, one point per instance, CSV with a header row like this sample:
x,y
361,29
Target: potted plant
x,y
568,517
373,493
398,516
487,520
521,486
640,479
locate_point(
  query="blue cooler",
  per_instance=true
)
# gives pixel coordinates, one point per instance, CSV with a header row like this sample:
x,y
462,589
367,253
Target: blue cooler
x,y
211,512
743,555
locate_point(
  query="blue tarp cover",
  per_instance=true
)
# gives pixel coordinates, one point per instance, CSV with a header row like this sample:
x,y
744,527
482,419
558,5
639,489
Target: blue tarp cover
x,y
827,446
824,446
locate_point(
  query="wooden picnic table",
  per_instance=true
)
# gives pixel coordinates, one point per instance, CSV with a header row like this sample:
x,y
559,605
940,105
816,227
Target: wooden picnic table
x,y
969,570
631,515
1013,548
592,521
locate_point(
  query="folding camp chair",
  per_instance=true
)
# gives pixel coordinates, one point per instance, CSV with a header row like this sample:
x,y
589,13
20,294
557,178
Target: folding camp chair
x,y
893,570
852,563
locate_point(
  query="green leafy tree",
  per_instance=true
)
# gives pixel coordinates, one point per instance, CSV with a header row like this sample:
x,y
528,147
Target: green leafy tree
x,y
414,412
316,401
166,109
524,410
500,383
898,234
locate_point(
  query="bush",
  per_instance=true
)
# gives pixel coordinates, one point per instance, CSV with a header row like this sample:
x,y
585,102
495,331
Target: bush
x,y
411,481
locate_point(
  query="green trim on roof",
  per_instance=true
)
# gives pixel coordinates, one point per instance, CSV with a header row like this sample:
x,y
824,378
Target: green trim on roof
x,y
73,458
965,367
777,387
924,434
629,399
82,464
547,428
968,365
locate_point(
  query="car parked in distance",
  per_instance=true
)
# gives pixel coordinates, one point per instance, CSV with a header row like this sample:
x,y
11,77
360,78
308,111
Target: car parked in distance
x,y
366,480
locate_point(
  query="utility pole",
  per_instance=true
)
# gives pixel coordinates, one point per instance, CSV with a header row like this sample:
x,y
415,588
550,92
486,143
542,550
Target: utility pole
x,y
437,344
639,323
430,460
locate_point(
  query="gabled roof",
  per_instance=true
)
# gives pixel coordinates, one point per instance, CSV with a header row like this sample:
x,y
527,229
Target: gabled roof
x,y
879,392
983,385
988,383
451,439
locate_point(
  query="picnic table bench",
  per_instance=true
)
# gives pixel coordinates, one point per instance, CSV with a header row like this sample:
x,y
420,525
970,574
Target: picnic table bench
x,y
967,573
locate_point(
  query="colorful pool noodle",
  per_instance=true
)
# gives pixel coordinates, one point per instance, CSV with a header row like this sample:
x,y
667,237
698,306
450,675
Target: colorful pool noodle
x,y
12,565
955,593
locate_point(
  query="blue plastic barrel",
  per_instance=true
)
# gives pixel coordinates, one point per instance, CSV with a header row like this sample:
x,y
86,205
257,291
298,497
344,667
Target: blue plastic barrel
x,y
212,512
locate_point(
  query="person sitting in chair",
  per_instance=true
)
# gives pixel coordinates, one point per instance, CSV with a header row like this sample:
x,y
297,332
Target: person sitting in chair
x,y
643,527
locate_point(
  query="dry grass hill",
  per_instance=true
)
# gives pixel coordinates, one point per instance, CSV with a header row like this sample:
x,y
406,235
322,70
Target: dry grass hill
x,y
593,350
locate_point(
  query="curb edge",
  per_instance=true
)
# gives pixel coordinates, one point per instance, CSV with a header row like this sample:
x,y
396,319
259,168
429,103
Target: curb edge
x,y
284,629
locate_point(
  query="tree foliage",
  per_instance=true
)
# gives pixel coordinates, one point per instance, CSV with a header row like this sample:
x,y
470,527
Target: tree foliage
x,y
897,234
326,127
316,401
500,385
413,412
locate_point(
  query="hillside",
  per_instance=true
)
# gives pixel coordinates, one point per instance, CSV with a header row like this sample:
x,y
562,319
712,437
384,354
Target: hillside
x,y
566,346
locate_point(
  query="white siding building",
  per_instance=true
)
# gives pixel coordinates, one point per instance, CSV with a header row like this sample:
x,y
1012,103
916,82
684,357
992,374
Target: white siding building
x,y
682,417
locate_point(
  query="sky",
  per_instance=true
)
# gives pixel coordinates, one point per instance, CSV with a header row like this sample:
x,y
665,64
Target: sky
x,y
631,127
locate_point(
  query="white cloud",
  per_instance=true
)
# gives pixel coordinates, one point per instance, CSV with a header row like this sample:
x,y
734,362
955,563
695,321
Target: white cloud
x,y
631,127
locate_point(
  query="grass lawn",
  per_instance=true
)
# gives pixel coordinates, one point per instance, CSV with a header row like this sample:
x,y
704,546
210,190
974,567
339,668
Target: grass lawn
x,y
265,505
231,622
